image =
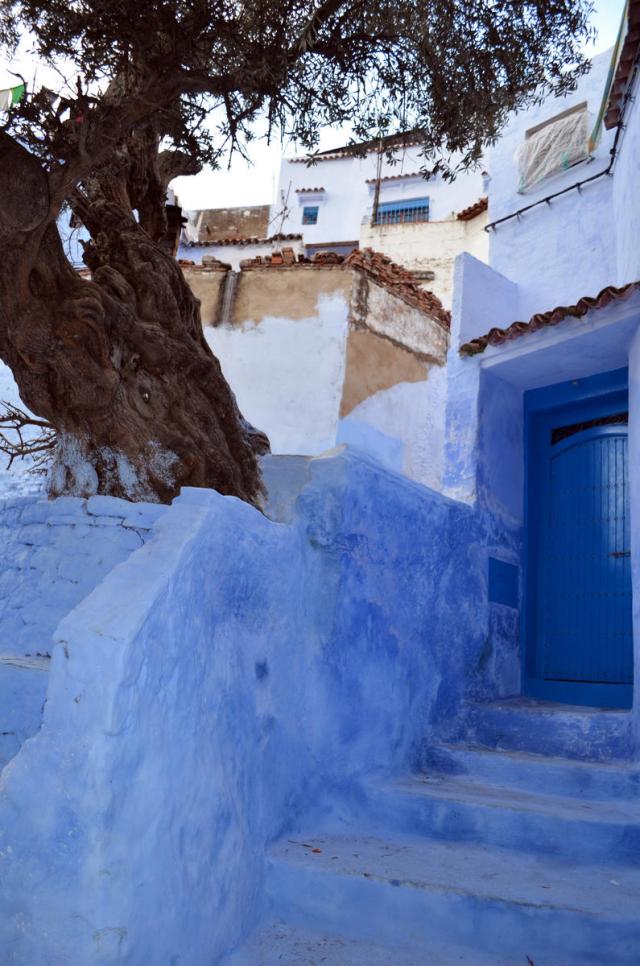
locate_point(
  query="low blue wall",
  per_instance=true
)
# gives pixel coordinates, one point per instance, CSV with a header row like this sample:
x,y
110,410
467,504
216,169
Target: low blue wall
x,y
231,677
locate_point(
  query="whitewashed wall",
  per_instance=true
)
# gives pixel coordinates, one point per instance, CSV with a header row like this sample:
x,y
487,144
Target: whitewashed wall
x,y
403,427
559,252
287,374
626,194
430,246
347,198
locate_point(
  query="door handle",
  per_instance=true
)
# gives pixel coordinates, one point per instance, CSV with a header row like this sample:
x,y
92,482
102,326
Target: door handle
x,y
620,553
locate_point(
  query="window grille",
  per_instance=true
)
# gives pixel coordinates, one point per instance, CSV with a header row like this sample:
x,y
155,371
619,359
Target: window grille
x,y
403,212
310,215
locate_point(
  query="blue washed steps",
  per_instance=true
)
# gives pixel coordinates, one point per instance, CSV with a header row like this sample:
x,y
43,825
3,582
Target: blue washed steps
x,y
413,896
458,809
279,944
536,773
23,688
546,728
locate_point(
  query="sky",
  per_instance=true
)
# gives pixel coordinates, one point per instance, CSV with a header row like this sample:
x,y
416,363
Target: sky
x,y
255,183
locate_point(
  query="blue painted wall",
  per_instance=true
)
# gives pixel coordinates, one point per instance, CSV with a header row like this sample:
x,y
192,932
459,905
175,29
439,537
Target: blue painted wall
x,y
231,675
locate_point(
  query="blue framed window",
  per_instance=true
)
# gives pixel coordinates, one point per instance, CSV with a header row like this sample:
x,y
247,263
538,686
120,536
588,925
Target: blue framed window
x,y
310,215
403,212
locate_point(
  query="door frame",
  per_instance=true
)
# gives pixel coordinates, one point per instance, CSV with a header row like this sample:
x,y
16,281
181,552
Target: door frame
x,y
564,403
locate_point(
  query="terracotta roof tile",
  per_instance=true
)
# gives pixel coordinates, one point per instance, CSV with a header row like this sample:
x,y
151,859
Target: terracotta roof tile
x,y
399,282
240,241
626,62
404,139
304,191
473,210
552,317
379,268
397,177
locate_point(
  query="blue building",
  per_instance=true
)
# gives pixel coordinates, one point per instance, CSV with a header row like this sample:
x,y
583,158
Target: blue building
x,y
381,723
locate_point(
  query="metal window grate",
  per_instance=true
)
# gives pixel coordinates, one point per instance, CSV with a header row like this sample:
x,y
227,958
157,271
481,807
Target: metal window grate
x,y
403,212
310,215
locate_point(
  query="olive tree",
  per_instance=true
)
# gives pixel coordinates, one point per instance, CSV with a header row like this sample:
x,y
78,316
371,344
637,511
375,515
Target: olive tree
x,y
117,363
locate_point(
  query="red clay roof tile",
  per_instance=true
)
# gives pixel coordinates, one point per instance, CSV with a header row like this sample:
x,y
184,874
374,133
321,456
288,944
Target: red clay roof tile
x,y
626,62
399,282
473,210
497,336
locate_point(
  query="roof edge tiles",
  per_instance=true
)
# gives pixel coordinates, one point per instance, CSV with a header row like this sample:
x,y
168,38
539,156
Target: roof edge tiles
x,y
399,177
586,304
399,282
242,241
396,279
472,211
403,139
309,191
624,69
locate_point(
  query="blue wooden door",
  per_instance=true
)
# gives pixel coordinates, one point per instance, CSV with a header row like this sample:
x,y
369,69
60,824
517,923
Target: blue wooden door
x,y
586,599
579,560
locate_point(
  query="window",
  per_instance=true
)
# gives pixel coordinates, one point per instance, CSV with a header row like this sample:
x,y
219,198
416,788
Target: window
x,y
402,212
310,215
553,146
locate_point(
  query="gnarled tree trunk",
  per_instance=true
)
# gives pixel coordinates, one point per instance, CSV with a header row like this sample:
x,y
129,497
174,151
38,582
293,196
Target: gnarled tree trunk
x,y
117,364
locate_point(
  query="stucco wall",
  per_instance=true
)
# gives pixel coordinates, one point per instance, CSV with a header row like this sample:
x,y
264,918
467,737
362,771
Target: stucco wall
x,y
634,505
234,254
559,252
206,284
626,196
183,732
290,293
345,205
430,246
391,317
52,554
284,354
319,354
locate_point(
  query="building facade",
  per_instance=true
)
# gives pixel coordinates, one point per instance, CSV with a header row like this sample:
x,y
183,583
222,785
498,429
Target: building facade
x,y
344,201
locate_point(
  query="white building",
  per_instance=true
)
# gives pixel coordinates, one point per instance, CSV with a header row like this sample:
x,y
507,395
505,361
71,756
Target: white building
x,y
343,201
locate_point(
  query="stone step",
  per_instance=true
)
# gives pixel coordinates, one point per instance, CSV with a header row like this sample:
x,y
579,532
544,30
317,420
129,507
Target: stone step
x,y
425,897
451,808
23,688
547,728
279,944
536,773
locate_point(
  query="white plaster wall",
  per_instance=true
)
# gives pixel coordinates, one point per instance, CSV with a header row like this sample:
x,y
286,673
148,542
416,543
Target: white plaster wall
x,y
402,323
430,246
556,253
347,199
403,427
626,194
288,374
234,254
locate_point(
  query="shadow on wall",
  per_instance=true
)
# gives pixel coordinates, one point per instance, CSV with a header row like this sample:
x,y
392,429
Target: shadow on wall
x,y
232,676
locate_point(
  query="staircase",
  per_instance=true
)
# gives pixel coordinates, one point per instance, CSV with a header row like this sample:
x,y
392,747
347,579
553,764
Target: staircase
x,y
491,856
23,688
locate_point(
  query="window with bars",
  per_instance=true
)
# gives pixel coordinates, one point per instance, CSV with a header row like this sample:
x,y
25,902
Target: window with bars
x,y
401,212
310,215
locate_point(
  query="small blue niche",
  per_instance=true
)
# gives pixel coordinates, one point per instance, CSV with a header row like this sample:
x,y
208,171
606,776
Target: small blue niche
x,y
503,582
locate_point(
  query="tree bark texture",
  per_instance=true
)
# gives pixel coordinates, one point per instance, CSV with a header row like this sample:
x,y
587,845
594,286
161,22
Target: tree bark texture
x,y
118,364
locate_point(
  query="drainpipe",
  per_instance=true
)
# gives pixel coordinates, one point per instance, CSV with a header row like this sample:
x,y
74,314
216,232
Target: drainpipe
x,y
376,193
